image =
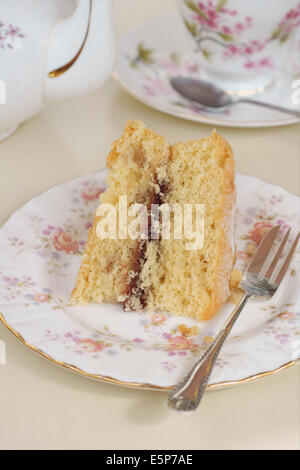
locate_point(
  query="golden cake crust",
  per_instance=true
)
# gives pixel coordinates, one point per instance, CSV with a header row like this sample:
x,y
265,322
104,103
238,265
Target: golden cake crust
x,y
133,161
196,303
226,250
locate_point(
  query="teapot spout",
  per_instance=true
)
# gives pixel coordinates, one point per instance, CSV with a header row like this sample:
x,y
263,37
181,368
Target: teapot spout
x,y
81,50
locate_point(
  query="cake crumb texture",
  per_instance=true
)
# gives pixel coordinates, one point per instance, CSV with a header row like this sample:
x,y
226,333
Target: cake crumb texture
x,y
162,274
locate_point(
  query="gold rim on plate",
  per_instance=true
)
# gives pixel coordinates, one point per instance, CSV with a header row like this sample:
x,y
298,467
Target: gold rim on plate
x,y
137,385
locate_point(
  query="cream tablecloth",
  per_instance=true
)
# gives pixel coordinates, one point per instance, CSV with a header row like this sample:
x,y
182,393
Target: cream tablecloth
x,y
42,406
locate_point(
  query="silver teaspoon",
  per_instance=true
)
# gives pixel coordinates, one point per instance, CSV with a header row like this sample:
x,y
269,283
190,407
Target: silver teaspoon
x,y
212,96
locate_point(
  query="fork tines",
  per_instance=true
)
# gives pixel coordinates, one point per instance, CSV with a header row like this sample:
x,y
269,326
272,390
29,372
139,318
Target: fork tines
x,y
257,265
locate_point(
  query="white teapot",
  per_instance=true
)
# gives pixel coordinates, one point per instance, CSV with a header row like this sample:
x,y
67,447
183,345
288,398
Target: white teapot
x,y
51,49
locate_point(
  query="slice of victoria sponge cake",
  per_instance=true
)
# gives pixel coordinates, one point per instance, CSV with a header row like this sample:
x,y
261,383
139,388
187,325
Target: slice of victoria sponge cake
x,y
175,250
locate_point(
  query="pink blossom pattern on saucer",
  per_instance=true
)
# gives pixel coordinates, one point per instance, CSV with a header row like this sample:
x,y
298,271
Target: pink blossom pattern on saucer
x,y
40,249
150,55
156,72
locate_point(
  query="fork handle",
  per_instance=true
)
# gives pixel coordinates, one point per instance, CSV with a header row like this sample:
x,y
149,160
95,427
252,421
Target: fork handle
x,y
187,394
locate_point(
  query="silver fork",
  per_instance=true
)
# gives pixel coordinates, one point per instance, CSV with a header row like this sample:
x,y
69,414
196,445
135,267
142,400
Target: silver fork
x,y
258,280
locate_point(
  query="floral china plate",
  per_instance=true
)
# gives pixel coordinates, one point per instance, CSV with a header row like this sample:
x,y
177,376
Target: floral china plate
x,y
40,253
151,54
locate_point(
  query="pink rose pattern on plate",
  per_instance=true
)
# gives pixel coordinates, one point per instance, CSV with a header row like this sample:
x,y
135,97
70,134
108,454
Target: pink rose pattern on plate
x,y
58,243
215,22
53,242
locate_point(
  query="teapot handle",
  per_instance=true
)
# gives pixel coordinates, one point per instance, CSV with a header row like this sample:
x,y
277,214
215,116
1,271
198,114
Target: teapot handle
x,y
81,50
85,14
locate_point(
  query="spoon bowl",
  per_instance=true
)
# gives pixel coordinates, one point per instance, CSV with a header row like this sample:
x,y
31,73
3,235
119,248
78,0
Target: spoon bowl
x,y
200,91
212,96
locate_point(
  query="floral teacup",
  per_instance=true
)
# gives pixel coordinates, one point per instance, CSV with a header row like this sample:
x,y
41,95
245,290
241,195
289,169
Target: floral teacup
x,y
241,44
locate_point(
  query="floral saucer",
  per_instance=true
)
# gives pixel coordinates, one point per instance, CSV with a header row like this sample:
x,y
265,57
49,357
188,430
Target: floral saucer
x,y
151,54
40,248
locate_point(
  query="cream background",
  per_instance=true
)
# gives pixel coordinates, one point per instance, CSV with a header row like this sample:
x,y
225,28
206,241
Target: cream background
x,y
45,407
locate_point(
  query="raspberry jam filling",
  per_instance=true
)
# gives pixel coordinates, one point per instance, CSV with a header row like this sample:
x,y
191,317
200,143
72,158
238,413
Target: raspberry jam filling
x,y
135,293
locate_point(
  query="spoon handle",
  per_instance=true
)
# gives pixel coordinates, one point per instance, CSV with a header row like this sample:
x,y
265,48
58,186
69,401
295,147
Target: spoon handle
x,y
293,112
